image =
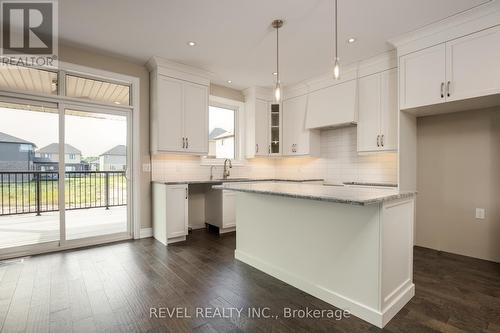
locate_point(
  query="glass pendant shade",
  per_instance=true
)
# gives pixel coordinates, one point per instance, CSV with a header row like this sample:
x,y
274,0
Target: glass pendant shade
x,y
277,93
336,69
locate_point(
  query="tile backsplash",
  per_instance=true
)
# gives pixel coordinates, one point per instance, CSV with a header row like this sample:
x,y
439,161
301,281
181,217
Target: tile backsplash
x,y
339,162
180,167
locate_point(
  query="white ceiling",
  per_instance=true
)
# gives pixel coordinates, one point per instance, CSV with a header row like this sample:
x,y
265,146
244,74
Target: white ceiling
x,y
234,37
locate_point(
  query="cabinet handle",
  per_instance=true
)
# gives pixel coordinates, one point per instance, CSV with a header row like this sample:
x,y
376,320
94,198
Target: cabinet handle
x,y
442,89
448,88
378,140
256,147
382,140
183,142
269,149
187,143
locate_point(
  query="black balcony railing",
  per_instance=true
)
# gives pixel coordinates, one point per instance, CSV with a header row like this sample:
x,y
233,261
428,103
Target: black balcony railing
x,y
38,191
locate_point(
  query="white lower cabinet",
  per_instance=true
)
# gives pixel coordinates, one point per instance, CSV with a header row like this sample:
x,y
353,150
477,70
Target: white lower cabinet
x,y
220,209
170,212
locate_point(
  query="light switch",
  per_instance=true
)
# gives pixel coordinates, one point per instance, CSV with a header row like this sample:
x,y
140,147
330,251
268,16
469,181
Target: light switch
x,y
480,213
146,167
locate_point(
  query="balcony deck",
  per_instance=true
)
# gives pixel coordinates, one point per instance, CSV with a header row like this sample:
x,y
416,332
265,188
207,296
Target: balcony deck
x,y
26,229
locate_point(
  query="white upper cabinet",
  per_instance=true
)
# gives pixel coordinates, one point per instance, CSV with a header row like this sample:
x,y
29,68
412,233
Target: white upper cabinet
x,y
422,77
368,130
332,106
169,99
259,121
389,110
473,65
195,118
459,69
179,108
297,140
262,118
378,112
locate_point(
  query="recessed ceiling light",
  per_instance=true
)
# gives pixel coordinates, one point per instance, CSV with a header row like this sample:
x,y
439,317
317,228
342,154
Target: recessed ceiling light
x,y
191,43
117,103
351,40
229,81
275,73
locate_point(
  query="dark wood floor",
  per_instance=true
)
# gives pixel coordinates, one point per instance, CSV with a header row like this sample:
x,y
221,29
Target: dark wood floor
x,y
112,288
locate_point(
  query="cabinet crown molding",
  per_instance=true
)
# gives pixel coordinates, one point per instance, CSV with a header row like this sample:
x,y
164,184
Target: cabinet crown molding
x,y
373,65
263,93
478,18
177,70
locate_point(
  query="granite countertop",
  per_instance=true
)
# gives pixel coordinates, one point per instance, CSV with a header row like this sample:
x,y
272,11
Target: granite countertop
x,y
340,194
233,180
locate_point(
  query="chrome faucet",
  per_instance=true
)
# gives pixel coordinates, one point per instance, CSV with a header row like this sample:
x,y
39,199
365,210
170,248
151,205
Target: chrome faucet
x,y
226,170
212,172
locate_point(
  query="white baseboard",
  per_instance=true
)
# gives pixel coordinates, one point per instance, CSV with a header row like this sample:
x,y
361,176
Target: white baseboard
x,y
226,230
146,232
359,310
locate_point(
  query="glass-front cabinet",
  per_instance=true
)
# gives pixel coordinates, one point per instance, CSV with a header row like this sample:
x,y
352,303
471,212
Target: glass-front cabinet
x,y
274,146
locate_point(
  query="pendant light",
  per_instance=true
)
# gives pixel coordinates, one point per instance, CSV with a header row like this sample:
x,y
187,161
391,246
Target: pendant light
x,y
336,62
277,89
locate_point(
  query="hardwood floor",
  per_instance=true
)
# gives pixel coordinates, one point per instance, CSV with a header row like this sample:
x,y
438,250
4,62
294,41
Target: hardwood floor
x,y
112,288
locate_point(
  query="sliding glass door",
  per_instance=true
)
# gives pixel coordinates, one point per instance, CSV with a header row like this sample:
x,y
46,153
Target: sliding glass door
x,y
29,174
96,178
64,175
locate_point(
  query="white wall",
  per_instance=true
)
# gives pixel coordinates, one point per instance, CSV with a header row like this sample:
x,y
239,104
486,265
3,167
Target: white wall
x,y
459,171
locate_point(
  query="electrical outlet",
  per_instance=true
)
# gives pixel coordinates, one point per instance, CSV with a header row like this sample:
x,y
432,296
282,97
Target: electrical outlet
x,y
480,213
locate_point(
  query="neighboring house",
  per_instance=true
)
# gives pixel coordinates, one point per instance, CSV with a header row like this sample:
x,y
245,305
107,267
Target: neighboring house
x,y
47,158
114,159
211,141
15,154
224,145
93,163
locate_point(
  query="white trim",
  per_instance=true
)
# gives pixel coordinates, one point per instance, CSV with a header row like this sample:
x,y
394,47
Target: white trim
x,y
161,66
62,173
134,107
146,232
362,311
239,108
34,249
478,18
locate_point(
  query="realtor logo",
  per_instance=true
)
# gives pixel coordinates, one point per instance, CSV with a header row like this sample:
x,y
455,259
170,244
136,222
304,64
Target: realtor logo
x,y
29,31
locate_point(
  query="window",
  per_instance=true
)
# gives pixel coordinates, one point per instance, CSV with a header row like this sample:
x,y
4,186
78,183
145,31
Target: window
x,y
97,90
71,156
24,148
221,132
28,79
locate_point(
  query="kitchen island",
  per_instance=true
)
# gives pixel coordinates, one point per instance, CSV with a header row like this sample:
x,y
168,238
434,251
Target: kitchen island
x,y
349,246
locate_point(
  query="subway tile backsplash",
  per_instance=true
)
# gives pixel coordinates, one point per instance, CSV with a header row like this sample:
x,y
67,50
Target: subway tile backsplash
x,y
339,162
